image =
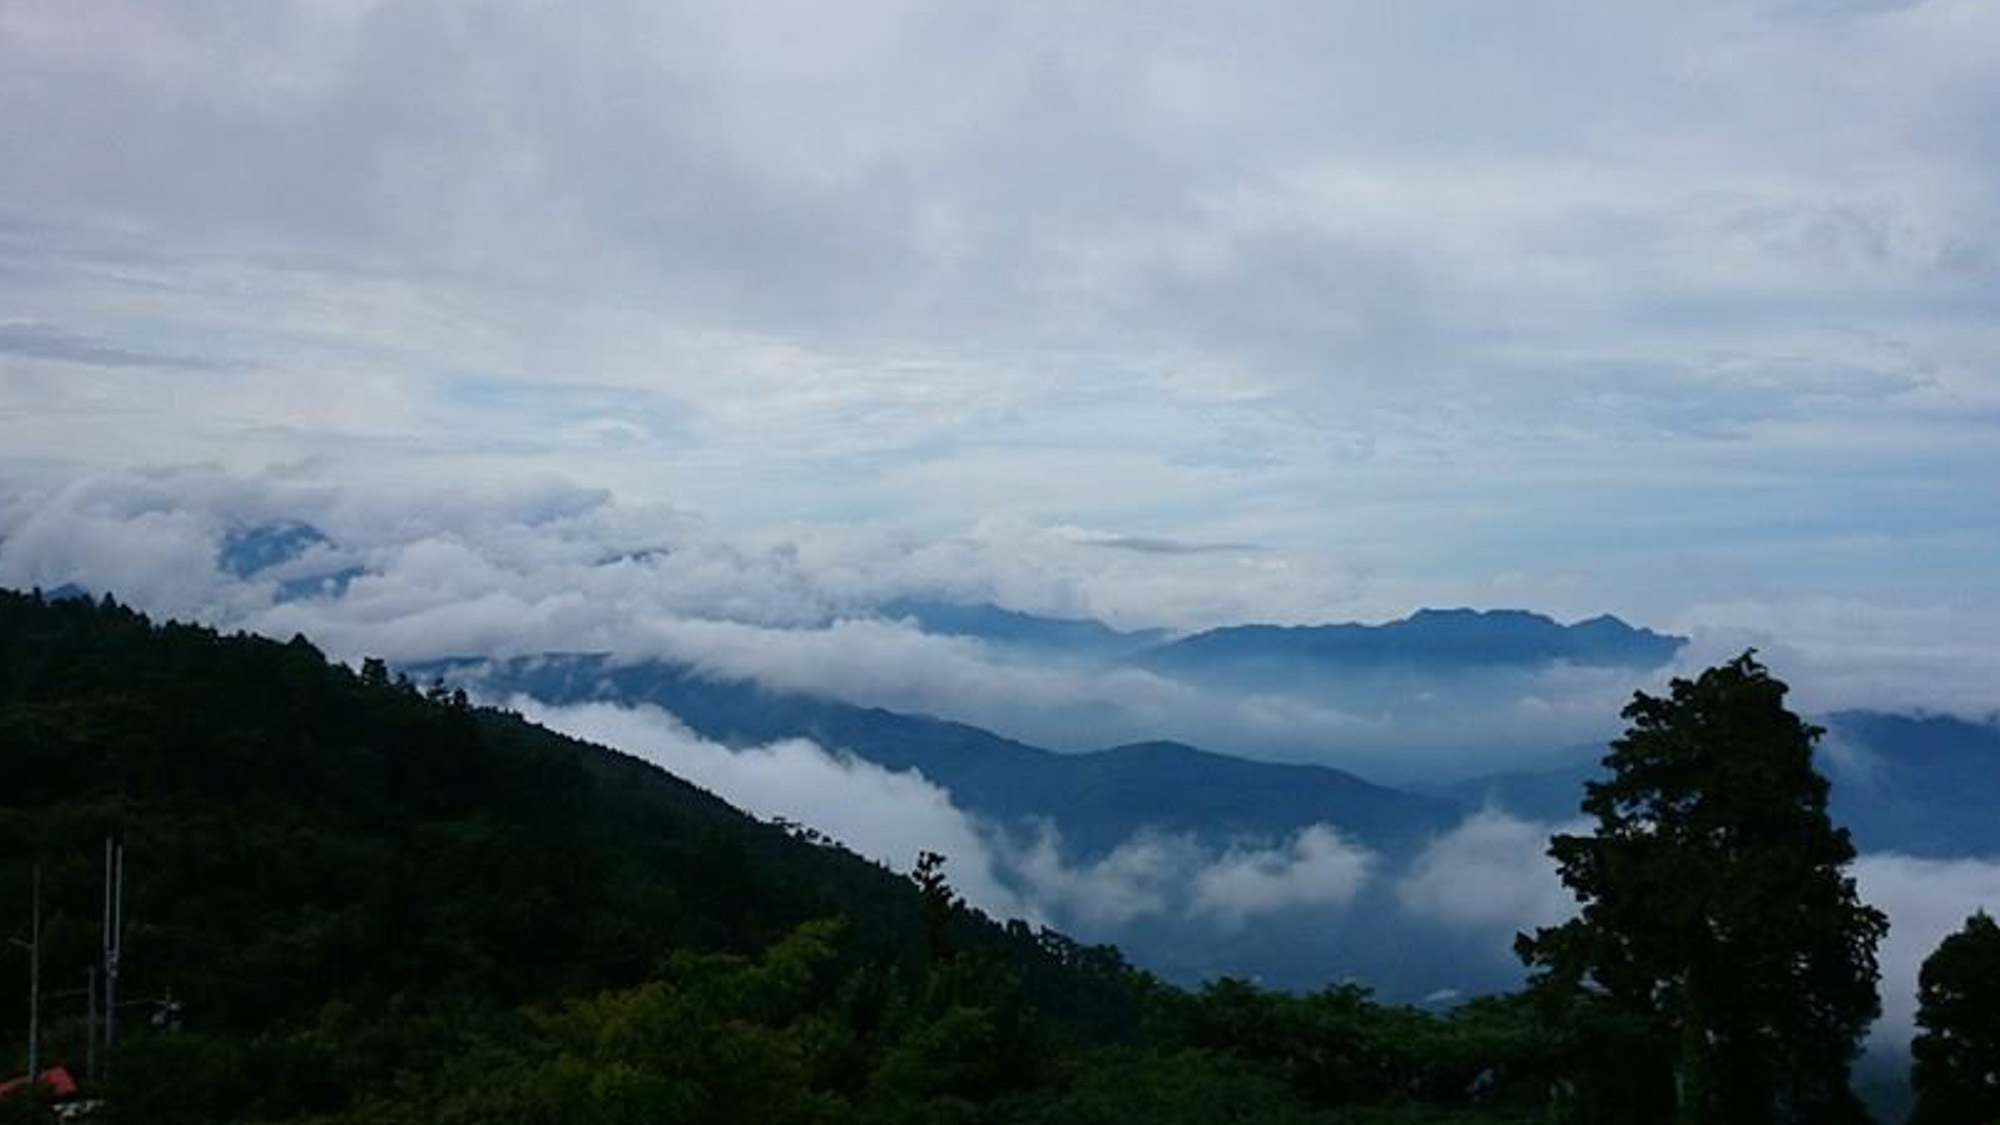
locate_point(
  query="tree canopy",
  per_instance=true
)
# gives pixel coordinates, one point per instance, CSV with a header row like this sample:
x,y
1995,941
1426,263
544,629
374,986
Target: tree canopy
x,y
1955,1058
1722,968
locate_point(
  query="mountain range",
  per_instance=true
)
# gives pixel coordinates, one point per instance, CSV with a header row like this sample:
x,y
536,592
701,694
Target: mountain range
x,y
1096,800
1918,785
1431,639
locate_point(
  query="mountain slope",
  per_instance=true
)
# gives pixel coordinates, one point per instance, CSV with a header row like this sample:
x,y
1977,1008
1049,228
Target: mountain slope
x,y
374,904
1096,800
300,837
1920,785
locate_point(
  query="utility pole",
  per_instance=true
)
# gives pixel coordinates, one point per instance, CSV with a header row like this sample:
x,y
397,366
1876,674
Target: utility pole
x,y
35,984
90,1026
114,938
34,947
35,981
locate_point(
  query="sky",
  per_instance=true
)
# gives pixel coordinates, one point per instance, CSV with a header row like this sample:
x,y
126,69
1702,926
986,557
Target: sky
x,y
1686,311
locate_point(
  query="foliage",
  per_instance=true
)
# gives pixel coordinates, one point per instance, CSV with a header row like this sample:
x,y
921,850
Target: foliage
x,y
380,905
1955,1071
1722,968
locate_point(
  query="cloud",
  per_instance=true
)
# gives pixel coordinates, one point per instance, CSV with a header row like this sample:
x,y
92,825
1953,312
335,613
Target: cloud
x,y
1425,299
1846,652
1490,874
1483,880
1316,869
1162,545
890,816
445,570
1925,899
886,816
43,341
1140,879
1178,880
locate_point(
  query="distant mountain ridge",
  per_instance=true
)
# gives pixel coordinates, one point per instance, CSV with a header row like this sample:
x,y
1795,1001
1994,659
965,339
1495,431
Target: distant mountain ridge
x,y
1100,803
1921,785
1097,800
303,562
989,622
1431,638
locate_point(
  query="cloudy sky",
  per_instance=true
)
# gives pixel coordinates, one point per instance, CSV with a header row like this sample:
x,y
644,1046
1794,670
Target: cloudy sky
x,y
1168,313
1688,311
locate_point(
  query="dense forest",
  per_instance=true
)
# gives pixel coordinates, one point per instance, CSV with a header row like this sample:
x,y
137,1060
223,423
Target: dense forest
x,y
371,902
351,898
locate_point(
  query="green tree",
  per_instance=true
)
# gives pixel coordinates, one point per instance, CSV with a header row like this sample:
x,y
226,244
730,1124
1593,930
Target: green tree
x,y
1721,941
938,903
1955,1058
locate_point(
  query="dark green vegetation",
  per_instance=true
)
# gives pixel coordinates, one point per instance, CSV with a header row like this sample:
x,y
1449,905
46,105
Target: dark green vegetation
x,y
1955,1059
1723,966
374,903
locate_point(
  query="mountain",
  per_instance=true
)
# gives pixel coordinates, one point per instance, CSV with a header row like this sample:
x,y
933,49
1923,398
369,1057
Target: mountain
x,y
296,555
1097,800
1921,785
1924,785
350,901
1110,808
332,870
988,622
1435,640
1551,795
250,551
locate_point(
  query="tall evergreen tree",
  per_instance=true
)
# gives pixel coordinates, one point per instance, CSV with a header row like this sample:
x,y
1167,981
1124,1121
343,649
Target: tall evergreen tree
x,y
1955,1058
1721,940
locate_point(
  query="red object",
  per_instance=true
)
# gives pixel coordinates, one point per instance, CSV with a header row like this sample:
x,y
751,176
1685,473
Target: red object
x,y
56,1078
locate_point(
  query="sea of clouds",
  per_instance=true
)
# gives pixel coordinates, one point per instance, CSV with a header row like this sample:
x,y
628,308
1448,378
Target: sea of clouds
x,y
447,571
1484,880
456,572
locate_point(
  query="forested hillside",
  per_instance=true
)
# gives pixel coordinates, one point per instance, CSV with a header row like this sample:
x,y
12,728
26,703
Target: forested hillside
x,y
371,902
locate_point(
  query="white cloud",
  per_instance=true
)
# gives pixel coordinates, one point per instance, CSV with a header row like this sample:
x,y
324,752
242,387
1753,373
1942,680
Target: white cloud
x,y
1490,874
1316,870
1487,878
884,815
551,567
1849,653
889,816
1422,300
1925,899
1139,880
1161,880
